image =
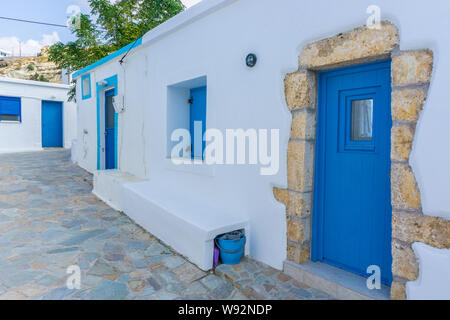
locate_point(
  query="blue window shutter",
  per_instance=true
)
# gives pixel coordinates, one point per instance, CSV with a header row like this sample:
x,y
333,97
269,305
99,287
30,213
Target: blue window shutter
x,y
198,121
10,106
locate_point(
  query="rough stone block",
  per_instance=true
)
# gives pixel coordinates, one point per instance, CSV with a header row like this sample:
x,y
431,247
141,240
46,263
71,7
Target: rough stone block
x,y
281,195
297,204
419,228
300,204
407,104
300,90
404,263
398,291
300,165
298,254
358,44
303,125
412,67
307,230
295,231
401,139
404,191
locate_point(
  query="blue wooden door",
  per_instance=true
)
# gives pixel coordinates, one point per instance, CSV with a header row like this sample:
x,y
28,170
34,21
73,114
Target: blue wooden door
x,y
52,124
110,131
198,121
352,220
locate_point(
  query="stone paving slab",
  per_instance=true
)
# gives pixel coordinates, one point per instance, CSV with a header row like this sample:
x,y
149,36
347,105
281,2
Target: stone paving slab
x,y
255,280
49,221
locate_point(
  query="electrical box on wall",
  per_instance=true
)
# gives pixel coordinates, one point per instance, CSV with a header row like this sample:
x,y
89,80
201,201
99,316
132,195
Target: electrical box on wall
x,y
119,103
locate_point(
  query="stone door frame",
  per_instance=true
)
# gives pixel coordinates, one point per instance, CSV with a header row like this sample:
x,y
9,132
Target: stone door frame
x,y
411,73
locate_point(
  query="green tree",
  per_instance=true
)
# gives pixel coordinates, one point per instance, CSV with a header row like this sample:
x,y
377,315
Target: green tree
x,y
109,27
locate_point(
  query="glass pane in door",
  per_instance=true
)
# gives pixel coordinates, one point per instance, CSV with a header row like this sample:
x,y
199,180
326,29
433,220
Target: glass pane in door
x,y
362,120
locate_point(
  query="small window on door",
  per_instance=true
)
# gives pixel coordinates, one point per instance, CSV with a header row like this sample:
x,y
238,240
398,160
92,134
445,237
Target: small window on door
x,y
362,120
10,109
86,87
357,124
110,114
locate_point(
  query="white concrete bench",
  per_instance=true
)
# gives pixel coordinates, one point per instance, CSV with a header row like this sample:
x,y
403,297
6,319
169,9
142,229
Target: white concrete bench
x,y
189,228
108,187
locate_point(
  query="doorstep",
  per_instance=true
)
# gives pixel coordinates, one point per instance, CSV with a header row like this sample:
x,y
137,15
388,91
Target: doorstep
x,y
336,282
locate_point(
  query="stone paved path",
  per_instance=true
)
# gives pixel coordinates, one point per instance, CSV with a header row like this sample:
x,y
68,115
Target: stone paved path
x,y
257,281
49,221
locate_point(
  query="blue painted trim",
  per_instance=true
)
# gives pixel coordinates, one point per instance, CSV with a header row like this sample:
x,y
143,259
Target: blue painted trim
x,y
198,110
112,83
17,99
88,96
345,141
20,110
116,135
98,125
108,58
316,241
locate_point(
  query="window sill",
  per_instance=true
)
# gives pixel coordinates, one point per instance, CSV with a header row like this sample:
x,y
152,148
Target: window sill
x,y
10,122
197,167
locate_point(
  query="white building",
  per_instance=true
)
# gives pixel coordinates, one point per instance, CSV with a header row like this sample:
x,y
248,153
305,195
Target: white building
x,y
35,115
193,68
4,53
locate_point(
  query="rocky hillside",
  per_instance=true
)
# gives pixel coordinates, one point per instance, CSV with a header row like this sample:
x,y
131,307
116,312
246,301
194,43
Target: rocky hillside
x,y
31,68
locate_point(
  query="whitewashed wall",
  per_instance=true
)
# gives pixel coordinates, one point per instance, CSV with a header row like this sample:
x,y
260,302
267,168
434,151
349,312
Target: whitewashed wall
x,y
130,123
215,46
27,135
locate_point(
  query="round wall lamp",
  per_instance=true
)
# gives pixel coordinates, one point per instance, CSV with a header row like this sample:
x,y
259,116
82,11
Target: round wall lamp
x,y
251,60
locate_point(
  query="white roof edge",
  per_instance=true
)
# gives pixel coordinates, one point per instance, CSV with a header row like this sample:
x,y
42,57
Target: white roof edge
x,y
35,83
184,18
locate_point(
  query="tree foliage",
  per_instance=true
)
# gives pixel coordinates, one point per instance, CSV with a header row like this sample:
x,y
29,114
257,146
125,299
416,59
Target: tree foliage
x,y
111,25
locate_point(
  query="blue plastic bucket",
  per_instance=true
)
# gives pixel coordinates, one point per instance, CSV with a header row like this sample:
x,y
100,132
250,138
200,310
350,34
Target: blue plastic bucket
x,y
231,251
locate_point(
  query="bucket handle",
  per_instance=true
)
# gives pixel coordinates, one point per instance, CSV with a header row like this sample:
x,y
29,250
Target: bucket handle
x,y
216,241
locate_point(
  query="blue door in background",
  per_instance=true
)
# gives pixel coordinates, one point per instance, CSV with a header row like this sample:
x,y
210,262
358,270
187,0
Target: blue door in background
x,y
110,131
352,205
198,122
52,124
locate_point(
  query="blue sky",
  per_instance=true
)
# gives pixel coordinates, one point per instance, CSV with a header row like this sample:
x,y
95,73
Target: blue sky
x,y
31,36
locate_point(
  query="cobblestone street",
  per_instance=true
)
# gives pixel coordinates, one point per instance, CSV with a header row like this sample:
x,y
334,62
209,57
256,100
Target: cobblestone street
x,y
49,221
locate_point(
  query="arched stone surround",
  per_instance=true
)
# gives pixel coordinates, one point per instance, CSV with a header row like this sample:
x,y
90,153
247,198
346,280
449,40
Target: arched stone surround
x,y
411,74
